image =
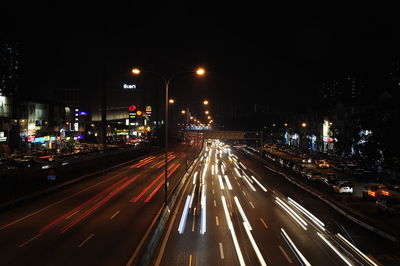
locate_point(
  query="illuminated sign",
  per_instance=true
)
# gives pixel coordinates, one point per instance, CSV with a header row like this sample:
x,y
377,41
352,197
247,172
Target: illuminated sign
x,y
328,139
139,113
3,139
129,86
82,113
132,108
148,109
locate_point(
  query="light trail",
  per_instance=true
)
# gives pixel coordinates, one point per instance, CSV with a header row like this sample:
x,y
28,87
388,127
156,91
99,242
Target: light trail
x,y
254,244
227,182
295,250
221,184
259,184
359,252
182,223
232,231
294,215
307,213
334,249
244,217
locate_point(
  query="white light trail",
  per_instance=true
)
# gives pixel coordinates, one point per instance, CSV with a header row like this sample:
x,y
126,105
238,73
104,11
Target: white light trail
x,y
233,234
242,165
259,184
221,184
356,250
227,182
307,213
182,223
248,182
212,169
194,177
334,249
295,249
222,169
254,244
294,215
237,172
203,212
244,217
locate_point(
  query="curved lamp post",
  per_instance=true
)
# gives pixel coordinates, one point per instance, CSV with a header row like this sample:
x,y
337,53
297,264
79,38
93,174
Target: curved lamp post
x,y
167,81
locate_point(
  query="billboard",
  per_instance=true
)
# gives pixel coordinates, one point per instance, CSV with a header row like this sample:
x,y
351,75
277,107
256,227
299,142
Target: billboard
x,y
5,106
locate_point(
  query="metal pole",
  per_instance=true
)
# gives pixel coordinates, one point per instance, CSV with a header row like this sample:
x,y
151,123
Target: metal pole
x,y
166,144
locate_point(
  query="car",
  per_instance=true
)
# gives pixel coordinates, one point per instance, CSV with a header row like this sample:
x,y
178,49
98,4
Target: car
x,y
372,191
391,191
323,164
313,175
388,204
343,187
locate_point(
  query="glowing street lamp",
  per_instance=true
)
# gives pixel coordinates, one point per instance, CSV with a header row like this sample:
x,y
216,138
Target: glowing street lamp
x,y
167,81
205,102
207,112
303,124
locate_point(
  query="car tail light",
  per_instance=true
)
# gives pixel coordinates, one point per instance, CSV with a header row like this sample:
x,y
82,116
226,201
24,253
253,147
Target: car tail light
x,y
371,193
385,192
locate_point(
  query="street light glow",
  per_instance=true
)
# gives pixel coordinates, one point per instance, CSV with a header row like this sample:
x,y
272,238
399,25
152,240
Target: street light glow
x,y
183,112
171,101
303,124
200,71
207,112
205,102
136,71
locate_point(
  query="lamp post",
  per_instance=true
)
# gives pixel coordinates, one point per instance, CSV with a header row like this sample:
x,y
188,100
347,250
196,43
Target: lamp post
x,y
167,82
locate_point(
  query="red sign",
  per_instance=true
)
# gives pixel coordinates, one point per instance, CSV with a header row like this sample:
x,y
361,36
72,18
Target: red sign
x,y
132,108
31,138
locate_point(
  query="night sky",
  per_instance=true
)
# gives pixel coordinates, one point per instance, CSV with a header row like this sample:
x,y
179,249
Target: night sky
x,y
264,55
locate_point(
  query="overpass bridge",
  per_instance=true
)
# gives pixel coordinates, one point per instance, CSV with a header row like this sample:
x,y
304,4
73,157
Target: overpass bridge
x,y
231,135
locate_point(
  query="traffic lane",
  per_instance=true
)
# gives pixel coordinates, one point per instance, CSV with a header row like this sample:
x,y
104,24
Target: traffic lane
x,y
214,247
29,226
268,219
104,237
367,241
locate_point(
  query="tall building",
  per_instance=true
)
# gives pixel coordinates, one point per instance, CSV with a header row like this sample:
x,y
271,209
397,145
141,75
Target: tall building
x,y
9,68
348,90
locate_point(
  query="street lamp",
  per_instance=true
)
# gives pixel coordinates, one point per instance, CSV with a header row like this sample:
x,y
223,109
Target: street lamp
x,y
167,82
205,102
207,112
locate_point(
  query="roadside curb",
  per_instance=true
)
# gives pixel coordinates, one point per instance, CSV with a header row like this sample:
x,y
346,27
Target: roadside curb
x,y
70,182
354,216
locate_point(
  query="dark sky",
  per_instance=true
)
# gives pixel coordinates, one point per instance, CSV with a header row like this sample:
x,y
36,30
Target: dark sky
x,y
260,54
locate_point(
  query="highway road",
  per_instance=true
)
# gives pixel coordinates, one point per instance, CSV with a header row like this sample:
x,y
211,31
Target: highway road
x,y
99,221
234,211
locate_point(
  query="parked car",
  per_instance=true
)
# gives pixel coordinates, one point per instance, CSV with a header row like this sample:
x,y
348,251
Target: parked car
x,y
372,191
343,187
388,204
323,164
313,175
391,191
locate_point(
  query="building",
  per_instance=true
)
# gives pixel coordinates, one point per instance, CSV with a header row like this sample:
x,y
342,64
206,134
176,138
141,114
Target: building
x,y
9,68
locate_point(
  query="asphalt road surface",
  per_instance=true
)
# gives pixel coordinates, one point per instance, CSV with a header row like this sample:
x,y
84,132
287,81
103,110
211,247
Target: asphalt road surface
x,y
99,221
236,212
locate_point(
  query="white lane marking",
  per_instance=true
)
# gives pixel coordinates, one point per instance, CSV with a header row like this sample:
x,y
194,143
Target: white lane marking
x,y
215,203
285,254
252,205
26,242
244,193
115,214
86,240
221,251
264,223
216,220
213,191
